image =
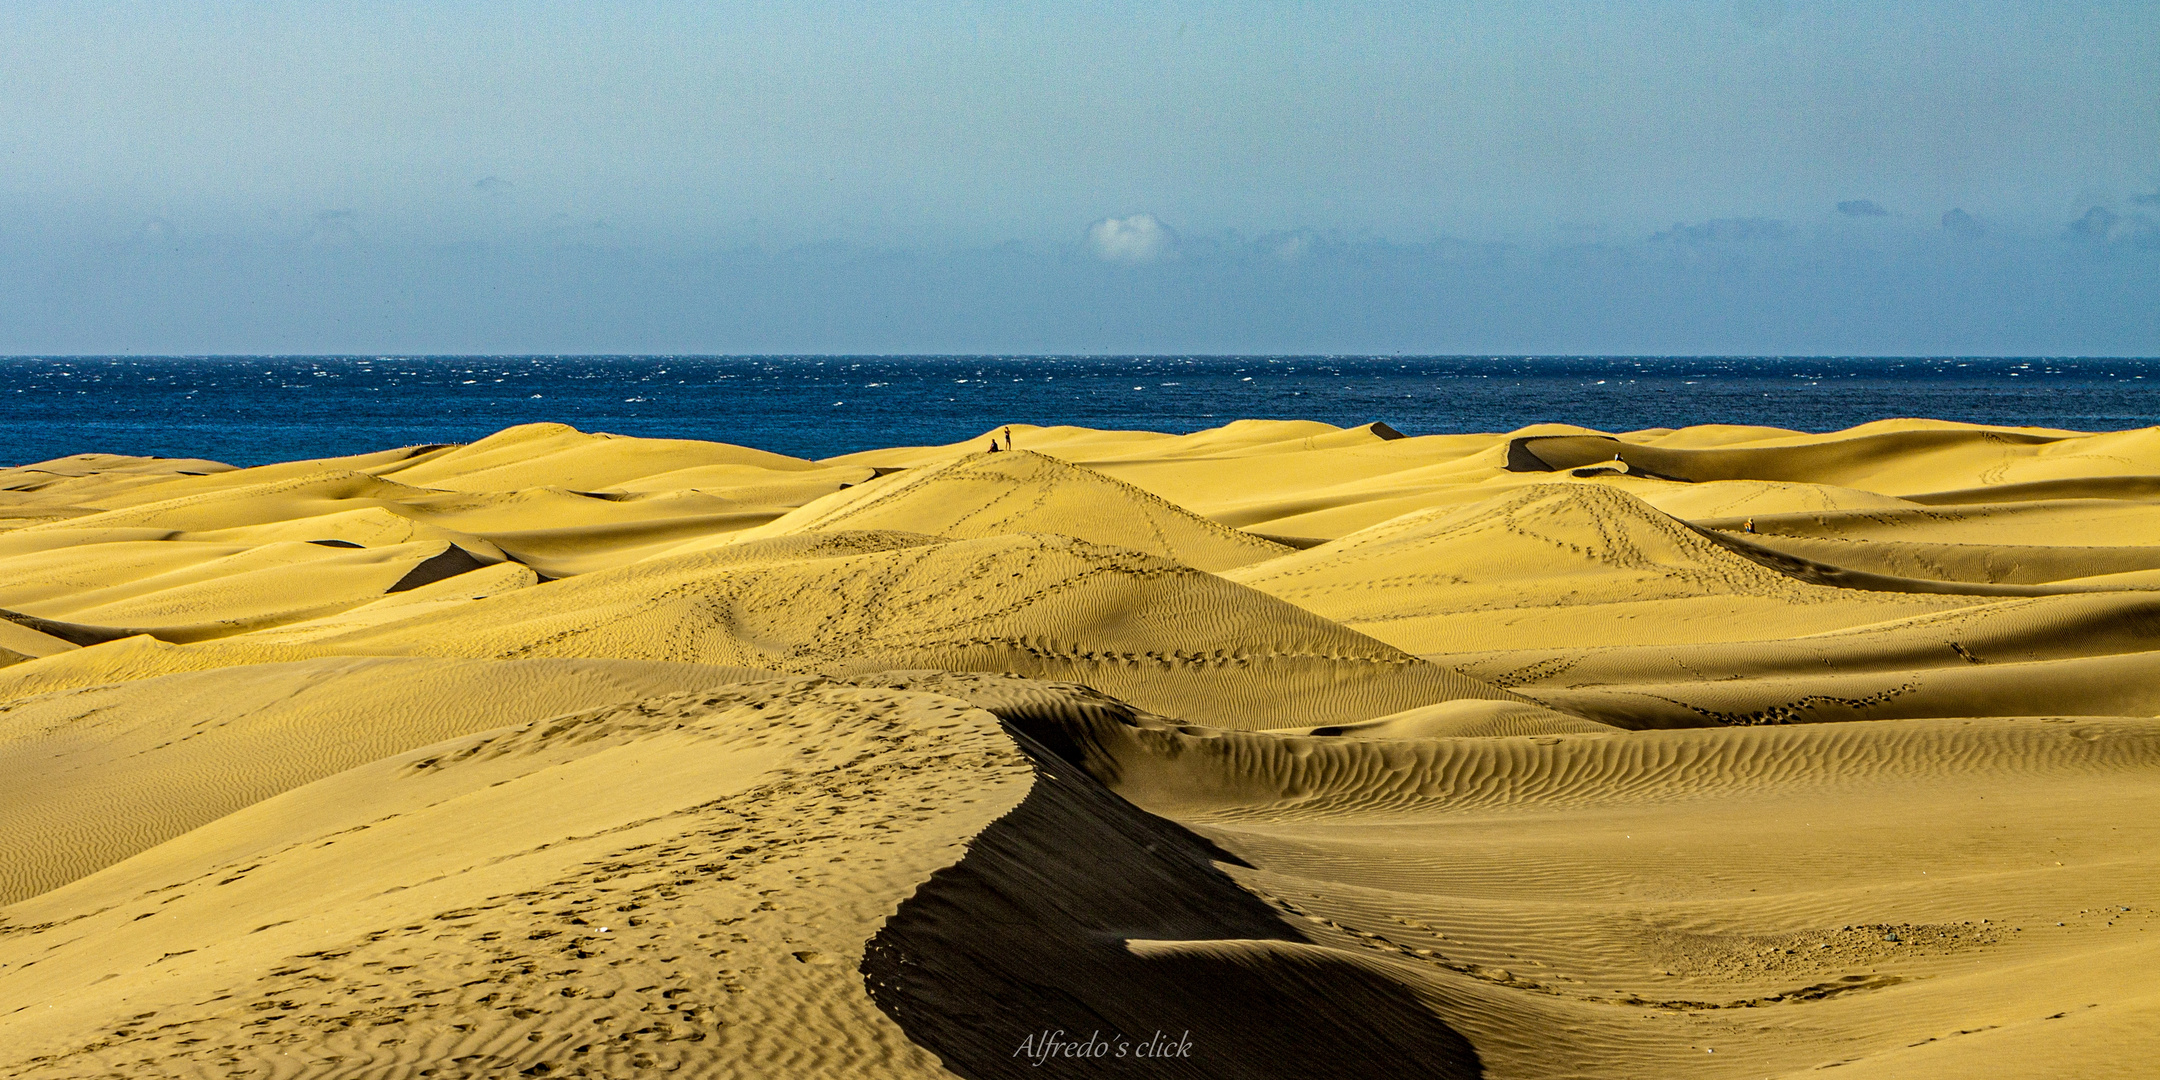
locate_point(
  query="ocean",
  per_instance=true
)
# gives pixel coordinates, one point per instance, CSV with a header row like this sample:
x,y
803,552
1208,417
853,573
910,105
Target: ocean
x,y
252,410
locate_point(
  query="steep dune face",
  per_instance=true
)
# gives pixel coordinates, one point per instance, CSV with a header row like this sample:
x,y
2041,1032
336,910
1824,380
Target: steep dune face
x,y
1273,750
711,884
1905,897
682,886
1076,892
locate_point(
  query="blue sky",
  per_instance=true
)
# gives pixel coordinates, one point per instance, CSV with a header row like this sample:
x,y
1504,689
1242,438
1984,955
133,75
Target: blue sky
x,y
1714,177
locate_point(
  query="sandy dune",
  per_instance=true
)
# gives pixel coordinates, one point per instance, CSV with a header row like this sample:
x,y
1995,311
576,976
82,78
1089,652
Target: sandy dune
x,y
983,495
1271,750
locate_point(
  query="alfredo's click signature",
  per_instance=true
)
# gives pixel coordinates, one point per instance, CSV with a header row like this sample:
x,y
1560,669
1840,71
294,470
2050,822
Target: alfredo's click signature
x,y
1056,1044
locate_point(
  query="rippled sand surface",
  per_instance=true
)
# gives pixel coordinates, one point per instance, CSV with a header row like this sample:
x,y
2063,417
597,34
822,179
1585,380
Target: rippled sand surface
x,y
1277,749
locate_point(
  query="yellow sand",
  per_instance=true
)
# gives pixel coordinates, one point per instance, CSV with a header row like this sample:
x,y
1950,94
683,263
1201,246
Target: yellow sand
x,y
1712,752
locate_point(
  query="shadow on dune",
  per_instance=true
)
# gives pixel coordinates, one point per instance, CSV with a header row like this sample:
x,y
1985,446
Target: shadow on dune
x,y
1079,913
1828,461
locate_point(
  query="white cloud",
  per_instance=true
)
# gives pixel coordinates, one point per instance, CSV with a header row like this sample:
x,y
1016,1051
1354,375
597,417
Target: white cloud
x,y
1136,239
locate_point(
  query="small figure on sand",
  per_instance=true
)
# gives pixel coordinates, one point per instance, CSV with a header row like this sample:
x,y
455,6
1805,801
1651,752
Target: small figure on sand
x,y
1748,526
1008,440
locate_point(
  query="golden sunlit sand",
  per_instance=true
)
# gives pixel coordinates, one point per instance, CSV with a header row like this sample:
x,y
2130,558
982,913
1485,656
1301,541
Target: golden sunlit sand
x,y
1276,749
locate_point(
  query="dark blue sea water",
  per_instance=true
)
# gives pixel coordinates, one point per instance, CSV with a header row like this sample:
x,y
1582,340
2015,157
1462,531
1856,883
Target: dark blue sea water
x,y
251,410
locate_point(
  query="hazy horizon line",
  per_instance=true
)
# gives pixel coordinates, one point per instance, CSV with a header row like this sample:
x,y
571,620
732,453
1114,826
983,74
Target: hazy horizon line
x,y
997,356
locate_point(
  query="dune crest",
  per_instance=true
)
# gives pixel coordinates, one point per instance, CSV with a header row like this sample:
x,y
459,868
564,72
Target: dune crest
x,y
985,494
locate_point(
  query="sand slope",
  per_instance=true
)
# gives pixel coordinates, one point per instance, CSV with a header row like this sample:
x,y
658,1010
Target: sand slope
x,y
987,494
1789,898
1559,564
713,884
603,883
1162,635
89,777
1726,752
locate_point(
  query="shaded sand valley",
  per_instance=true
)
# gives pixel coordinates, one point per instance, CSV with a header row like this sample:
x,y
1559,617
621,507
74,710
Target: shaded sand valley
x,y
1273,750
